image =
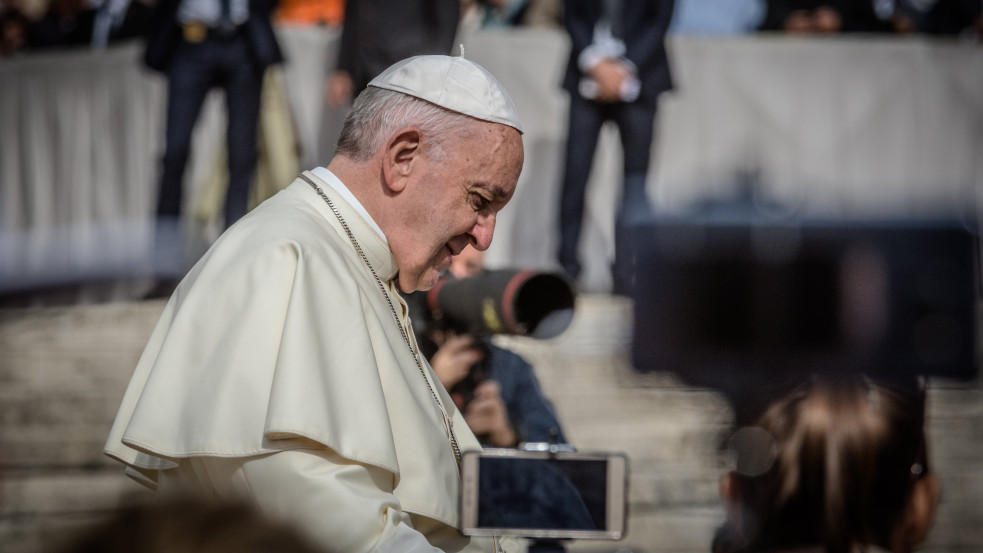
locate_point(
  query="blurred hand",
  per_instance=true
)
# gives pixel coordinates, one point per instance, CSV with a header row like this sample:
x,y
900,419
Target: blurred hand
x,y
608,74
798,22
338,90
903,25
827,20
487,415
454,358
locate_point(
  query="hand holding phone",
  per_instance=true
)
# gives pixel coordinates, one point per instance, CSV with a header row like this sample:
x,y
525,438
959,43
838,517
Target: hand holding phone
x,y
488,417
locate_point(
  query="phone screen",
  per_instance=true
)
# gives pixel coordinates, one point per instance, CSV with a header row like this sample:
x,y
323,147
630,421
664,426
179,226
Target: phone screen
x,y
576,496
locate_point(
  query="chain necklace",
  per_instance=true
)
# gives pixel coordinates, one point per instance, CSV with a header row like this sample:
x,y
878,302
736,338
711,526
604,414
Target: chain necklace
x,y
406,339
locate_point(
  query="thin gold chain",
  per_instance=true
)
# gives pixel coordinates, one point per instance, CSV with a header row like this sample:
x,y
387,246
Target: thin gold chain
x,y
402,329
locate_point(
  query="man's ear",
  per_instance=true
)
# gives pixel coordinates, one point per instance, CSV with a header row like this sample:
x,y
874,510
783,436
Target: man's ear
x,y
402,155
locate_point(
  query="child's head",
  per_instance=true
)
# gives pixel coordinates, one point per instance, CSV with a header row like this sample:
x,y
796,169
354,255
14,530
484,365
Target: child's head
x,y
839,463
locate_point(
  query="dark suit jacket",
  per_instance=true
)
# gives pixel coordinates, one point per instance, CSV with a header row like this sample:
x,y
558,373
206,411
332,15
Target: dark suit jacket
x,y
378,33
165,33
644,23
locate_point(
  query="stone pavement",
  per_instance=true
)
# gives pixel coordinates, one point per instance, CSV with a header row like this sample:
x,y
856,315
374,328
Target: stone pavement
x,y
63,371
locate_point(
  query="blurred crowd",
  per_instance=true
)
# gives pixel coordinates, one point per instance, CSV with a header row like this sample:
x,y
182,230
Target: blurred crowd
x,y
939,17
825,436
39,24
70,23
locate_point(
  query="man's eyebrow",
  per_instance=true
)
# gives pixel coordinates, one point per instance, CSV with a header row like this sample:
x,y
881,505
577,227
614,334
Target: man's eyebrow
x,y
496,190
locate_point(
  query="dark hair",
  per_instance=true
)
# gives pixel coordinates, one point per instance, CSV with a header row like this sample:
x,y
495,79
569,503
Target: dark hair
x,y
843,459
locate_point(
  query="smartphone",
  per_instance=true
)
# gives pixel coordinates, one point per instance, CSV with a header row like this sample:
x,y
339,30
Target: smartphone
x,y
544,494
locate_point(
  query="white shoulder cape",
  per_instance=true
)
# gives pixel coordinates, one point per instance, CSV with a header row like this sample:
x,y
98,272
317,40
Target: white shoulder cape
x,y
280,338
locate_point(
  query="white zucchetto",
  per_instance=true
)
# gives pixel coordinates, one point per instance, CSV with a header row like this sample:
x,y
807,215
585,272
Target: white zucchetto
x,y
452,83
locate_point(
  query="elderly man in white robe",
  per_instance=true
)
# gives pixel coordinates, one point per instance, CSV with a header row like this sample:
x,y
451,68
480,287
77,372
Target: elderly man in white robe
x,y
283,371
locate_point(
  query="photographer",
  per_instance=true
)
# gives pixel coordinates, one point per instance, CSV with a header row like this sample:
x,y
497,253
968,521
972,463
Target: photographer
x,y
495,388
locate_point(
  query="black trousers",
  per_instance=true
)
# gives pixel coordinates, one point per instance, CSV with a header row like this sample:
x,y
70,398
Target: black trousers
x,y
635,123
195,70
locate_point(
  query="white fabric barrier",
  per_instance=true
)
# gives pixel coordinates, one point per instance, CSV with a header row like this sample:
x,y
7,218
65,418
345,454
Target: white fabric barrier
x,y
81,138
841,127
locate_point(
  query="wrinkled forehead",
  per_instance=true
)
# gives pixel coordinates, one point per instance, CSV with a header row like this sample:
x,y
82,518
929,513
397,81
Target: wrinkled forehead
x,y
489,157
504,146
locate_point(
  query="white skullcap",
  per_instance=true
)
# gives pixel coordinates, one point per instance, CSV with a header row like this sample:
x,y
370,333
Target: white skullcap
x,y
452,83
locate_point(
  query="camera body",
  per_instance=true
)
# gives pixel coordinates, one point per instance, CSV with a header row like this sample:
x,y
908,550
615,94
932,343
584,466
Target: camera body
x,y
521,302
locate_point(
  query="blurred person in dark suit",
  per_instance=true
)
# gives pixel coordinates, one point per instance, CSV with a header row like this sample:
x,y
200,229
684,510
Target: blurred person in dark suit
x,y
618,66
200,45
378,33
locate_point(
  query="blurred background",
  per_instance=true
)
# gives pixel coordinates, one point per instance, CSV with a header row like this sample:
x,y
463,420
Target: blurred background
x,y
880,116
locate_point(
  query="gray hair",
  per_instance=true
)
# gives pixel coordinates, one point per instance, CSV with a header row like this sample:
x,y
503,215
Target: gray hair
x,y
377,113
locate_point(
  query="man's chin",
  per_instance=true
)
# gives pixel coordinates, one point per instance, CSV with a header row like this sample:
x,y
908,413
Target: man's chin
x,y
422,282
429,280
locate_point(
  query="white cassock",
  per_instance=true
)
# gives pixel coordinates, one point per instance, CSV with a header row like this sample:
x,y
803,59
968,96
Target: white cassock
x,y
278,374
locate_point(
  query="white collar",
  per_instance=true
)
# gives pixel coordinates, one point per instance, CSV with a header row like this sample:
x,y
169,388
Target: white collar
x,y
339,187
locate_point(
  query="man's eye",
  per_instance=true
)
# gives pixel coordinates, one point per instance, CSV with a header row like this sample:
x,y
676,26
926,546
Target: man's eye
x,y
479,202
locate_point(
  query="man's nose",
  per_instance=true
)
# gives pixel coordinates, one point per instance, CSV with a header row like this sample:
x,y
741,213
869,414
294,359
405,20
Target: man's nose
x,y
481,233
